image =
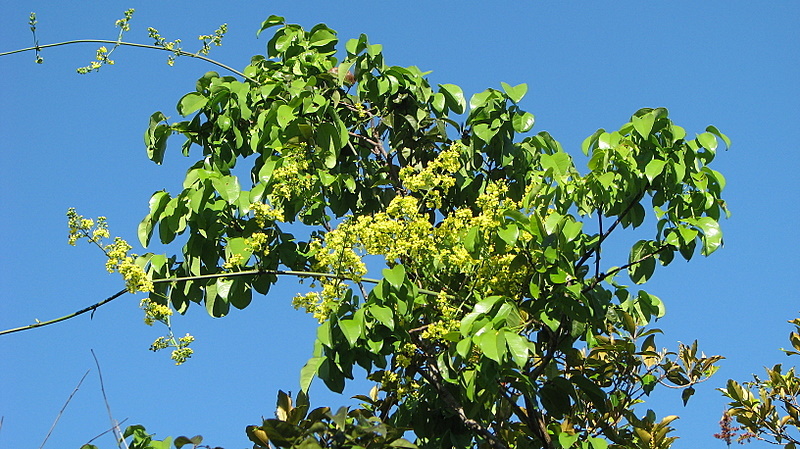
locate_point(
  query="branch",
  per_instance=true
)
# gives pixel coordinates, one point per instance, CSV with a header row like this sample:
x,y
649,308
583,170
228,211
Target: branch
x,y
133,44
616,270
200,277
114,424
613,226
433,376
61,412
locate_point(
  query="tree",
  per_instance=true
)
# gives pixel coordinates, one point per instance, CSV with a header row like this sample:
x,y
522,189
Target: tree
x,y
496,321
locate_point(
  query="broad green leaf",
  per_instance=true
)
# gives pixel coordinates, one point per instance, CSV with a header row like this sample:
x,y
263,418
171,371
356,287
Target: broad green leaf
x,y
653,169
438,103
560,163
566,440
322,37
285,115
713,130
191,102
309,371
509,233
708,141
644,124
227,187
492,343
271,21
351,330
464,347
395,275
515,93
712,235
479,99
523,123
598,443
454,97
518,347
687,393
383,314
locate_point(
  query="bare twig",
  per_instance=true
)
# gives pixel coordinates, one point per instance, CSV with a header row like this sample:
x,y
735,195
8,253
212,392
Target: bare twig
x,y
114,424
107,430
61,412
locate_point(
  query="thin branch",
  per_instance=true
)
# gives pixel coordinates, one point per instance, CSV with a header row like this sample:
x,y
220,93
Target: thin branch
x,y
200,277
61,412
616,270
133,44
613,226
106,431
452,402
114,424
66,317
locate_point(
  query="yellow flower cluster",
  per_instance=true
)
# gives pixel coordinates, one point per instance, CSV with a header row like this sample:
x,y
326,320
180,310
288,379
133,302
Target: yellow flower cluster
x,y
258,242
119,260
265,214
182,351
321,304
437,176
292,178
117,252
233,261
154,311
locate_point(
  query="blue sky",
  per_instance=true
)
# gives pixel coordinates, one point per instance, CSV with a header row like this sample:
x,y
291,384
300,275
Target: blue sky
x,y
76,141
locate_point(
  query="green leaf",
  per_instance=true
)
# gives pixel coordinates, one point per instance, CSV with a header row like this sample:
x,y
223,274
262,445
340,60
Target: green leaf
x,y
454,97
508,233
395,276
191,102
383,314
523,123
285,115
641,270
712,235
322,37
687,393
309,371
713,130
227,187
598,443
351,330
493,344
654,168
560,163
518,347
644,124
515,93
566,440
271,21
708,141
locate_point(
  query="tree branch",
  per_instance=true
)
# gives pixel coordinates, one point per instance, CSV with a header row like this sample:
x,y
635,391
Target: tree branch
x,y
613,226
433,376
201,277
616,270
133,44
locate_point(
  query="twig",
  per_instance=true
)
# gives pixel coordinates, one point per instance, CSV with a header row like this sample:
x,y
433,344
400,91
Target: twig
x,y
433,376
114,424
205,276
616,270
132,44
61,412
613,226
106,431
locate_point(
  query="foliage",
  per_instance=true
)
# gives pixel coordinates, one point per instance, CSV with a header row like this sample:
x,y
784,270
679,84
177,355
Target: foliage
x,y
496,322
766,409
